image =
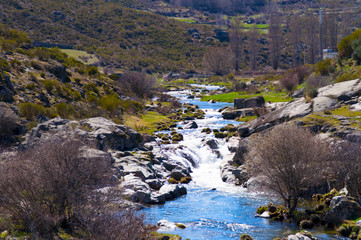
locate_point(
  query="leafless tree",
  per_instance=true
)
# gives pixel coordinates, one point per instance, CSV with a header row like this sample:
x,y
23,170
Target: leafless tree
x,y
253,47
348,167
236,43
275,34
311,38
289,159
137,84
217,60
296,33
42,188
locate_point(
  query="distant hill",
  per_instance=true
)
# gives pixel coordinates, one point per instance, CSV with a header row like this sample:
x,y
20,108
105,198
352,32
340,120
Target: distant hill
x,y
120,36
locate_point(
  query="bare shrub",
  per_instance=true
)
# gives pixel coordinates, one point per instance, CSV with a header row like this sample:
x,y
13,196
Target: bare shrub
x,y
259,111
217,61
8,126
137,84
289,159
313,83
295,77
122,226
42,187
348,167
290,81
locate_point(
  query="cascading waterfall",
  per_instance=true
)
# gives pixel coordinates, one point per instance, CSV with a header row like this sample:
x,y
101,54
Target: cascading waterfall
x,y
212,209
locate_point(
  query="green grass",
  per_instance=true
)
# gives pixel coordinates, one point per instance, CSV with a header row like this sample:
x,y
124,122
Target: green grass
x,y
257,26
81,56
246,119
185,20
228,97
146,123
344,111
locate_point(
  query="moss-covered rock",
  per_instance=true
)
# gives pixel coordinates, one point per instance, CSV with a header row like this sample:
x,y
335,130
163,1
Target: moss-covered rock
x,y
172,181
186,179
306,224
261,209
246,237
220,135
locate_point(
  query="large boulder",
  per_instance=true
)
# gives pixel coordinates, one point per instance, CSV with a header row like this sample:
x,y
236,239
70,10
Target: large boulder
x,y
232,114
324,103
240,103
341,91
294,109
111,135
344,210
102,132
6,88
59,71
211,143
191,125
171,192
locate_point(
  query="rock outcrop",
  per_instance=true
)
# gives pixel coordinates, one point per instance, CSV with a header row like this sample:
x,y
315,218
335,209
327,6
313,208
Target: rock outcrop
x,y
140,172
254,102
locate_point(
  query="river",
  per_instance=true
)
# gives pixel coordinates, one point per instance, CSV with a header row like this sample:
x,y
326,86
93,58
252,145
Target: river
x,y
212,209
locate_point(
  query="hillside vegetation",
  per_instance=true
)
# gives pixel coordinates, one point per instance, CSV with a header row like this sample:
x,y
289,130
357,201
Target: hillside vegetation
x,y
119,35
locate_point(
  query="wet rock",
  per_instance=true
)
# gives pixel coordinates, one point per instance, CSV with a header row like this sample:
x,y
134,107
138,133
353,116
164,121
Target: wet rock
x,y
191,125
154,183
344,210
171,192
178,174
335,200
211,143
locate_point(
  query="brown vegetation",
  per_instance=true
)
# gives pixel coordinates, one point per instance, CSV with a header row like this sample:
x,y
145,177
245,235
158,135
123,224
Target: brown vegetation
x,y
53,186
290,160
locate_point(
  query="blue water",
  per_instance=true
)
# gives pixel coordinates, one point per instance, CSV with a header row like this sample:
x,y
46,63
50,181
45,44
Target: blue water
x,y
217,215
214,210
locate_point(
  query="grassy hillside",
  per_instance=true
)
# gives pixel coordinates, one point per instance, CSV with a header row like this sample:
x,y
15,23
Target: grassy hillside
x,y
120,36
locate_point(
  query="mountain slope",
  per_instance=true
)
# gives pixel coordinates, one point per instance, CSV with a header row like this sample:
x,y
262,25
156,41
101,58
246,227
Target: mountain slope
x,y
120,36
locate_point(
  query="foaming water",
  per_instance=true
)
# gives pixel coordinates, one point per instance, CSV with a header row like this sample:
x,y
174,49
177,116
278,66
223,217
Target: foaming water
x,y
212,209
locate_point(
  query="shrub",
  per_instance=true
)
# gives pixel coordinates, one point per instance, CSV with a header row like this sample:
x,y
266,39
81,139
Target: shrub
x,y
92,70
345,46
90,87
217,61
8,125
64,110
289,81
323,67
49,85
58,194
31,110
313,83
136,84
288,159
110,103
